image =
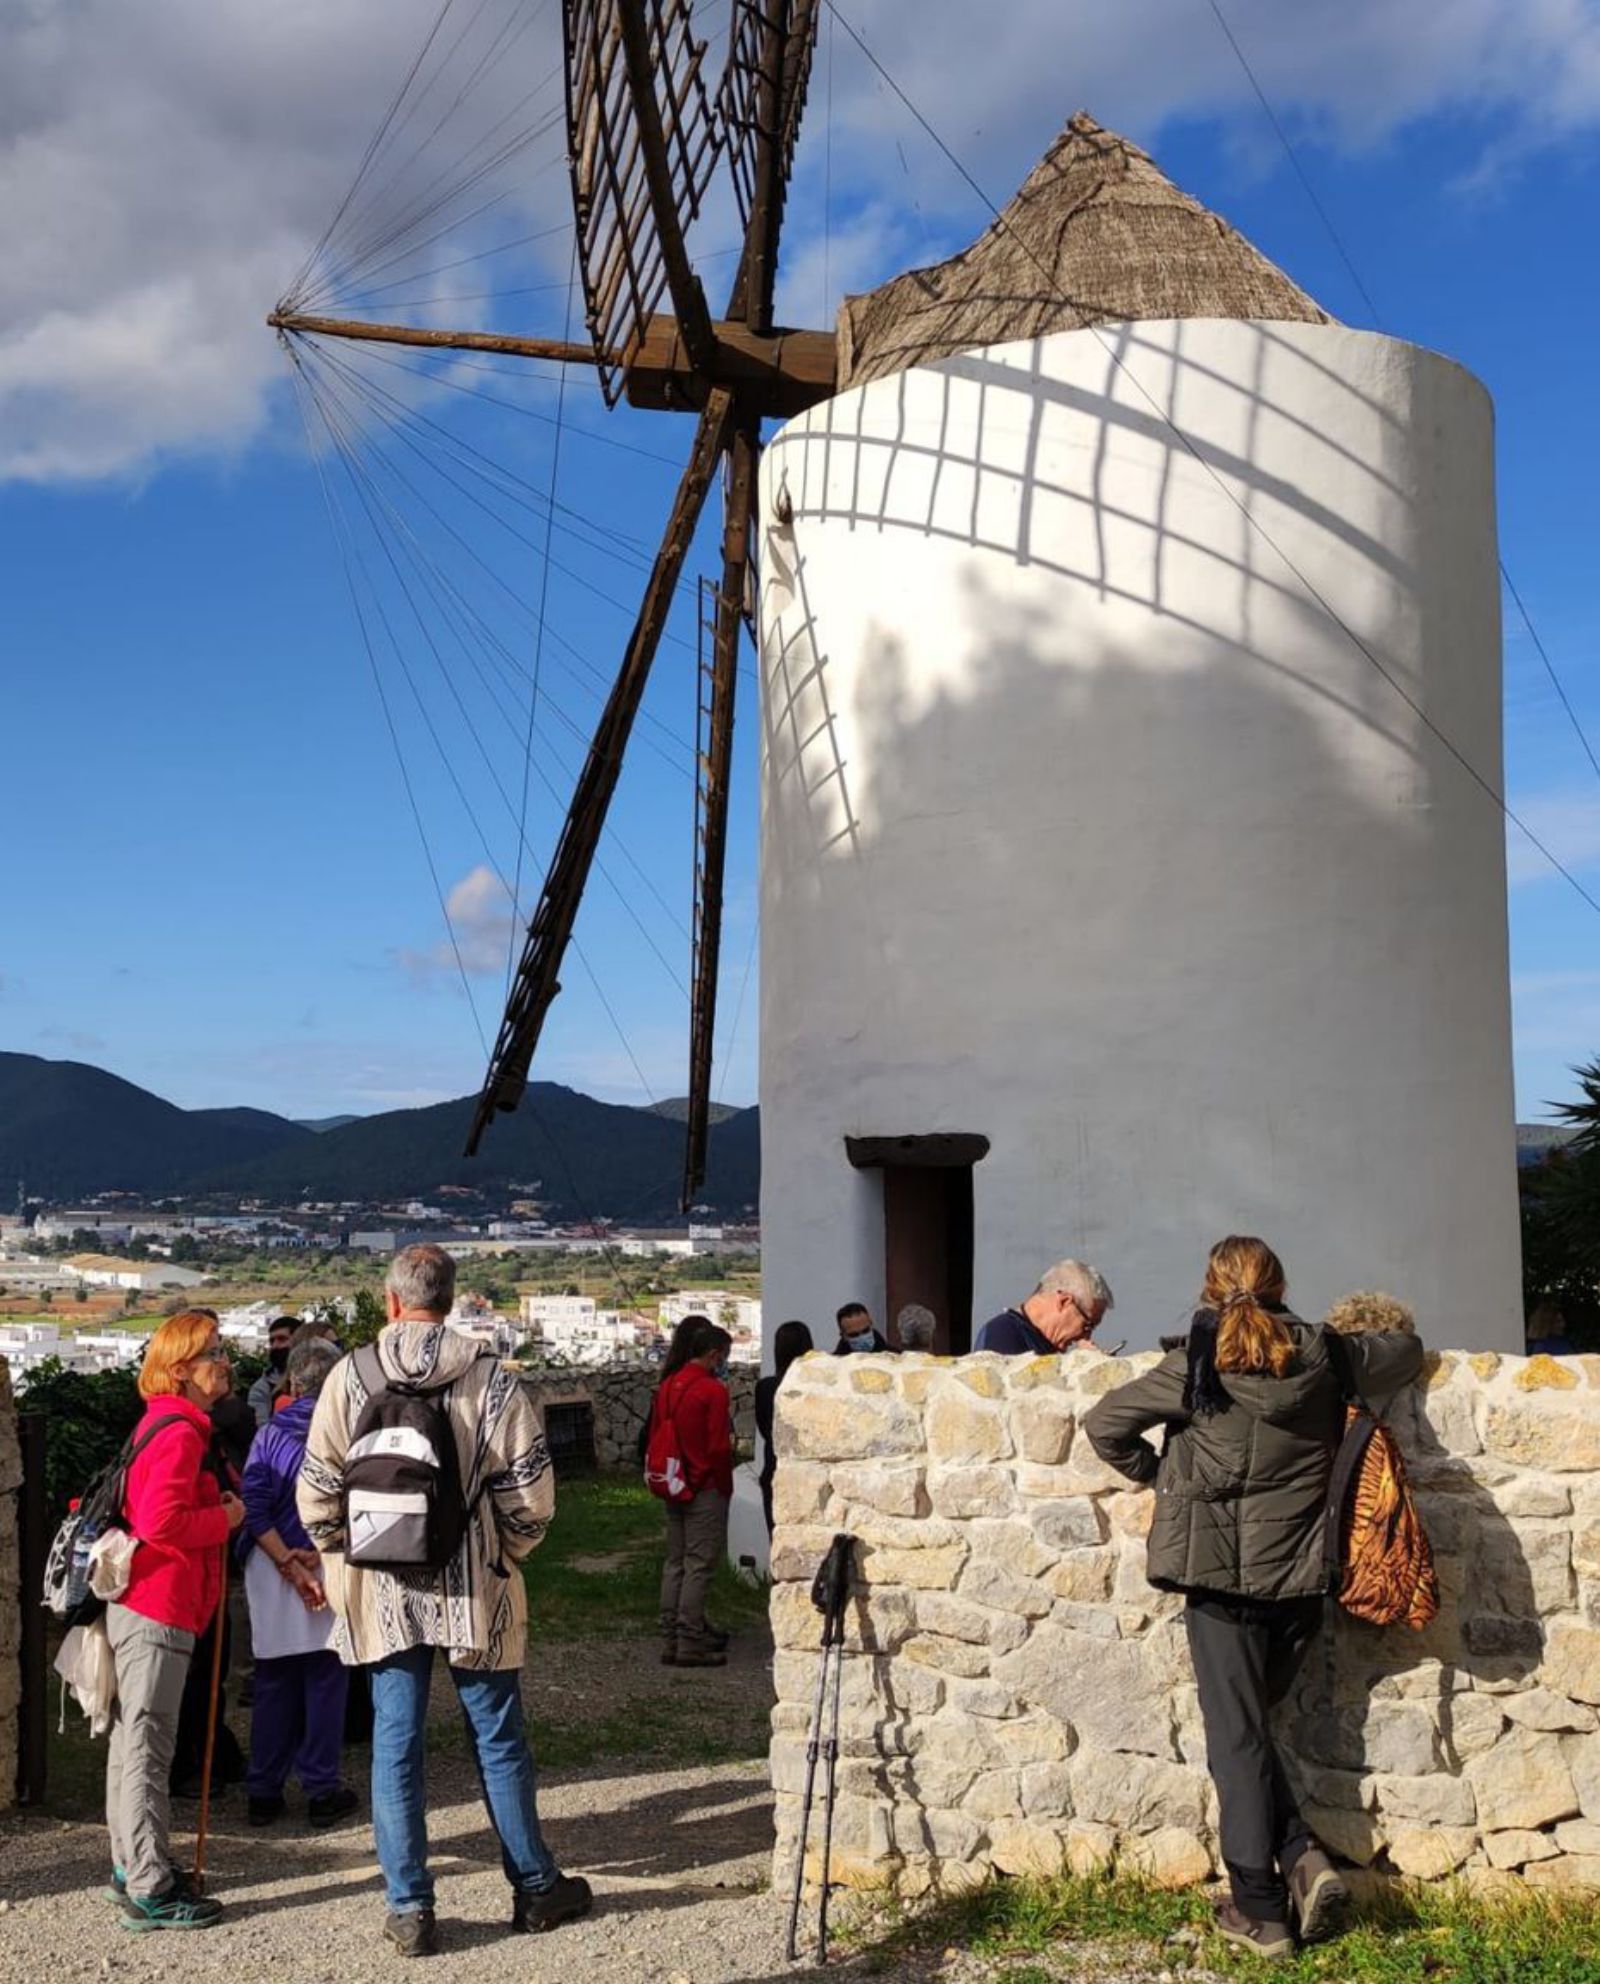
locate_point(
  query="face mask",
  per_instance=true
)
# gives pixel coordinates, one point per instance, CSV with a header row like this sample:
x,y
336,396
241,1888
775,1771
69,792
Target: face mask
x,y
861,1342
721,1371
278,1360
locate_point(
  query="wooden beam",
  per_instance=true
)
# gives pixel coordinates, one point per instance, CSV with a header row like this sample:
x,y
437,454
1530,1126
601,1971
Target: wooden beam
x,y
688,298
711,793
538,978
781,375
350,327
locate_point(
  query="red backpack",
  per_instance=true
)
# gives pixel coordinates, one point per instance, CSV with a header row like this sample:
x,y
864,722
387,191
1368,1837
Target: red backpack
x,y
664,1471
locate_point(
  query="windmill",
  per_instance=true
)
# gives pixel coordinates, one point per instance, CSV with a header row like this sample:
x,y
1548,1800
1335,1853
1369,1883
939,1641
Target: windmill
x,y
646,133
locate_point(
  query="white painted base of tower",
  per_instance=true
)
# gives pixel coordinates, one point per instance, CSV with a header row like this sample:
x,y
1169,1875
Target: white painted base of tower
x,y
1086,827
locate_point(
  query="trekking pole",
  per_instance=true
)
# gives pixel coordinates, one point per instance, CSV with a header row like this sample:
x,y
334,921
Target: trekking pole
x,y
830,1758
211,1730
828,1593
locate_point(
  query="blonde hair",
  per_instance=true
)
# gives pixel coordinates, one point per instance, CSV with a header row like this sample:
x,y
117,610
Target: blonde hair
x,y
1370,1310
180,1340
1242,1276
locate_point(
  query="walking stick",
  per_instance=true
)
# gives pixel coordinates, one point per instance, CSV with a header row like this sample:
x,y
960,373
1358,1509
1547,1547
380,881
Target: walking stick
x,y
828,1593
218,1628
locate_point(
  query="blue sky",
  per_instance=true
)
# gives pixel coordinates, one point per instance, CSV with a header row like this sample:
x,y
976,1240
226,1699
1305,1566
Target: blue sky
x,y
216,887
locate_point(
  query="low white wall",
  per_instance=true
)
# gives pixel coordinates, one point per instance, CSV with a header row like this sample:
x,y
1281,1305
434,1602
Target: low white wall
x,y
1016,1696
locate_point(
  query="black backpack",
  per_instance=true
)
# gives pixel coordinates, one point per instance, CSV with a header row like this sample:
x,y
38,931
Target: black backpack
x,y
405,1506
99,1508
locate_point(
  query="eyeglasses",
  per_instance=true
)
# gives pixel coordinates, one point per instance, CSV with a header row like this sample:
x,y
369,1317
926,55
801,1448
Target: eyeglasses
x,y
217,1354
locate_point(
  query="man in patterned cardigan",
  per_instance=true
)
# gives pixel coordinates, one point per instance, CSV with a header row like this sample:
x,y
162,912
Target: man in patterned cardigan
x,y
476,1608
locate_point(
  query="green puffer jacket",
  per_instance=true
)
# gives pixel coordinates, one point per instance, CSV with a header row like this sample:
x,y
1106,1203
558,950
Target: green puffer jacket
x,y
1240,1494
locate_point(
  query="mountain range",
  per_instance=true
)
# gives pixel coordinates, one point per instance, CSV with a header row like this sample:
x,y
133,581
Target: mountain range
x,y
70,1130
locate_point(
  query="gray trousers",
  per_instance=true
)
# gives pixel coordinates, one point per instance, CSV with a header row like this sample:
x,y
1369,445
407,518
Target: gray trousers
x,y
697,1535
151,1663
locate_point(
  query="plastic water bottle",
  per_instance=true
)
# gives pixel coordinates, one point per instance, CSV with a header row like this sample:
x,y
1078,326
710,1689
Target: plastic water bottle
x,y
78,1567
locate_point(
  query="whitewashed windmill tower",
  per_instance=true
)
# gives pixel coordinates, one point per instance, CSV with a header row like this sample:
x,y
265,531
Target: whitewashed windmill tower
x,y
1112,898
1126,630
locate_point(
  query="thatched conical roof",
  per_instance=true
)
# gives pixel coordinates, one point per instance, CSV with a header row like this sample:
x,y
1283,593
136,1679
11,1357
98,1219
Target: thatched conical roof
x,y
1097,234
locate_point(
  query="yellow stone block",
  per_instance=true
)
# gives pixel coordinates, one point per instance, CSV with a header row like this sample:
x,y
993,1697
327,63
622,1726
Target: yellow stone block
x,y
1546,1374
1484,1364
984,1379
1438,1367
871,1380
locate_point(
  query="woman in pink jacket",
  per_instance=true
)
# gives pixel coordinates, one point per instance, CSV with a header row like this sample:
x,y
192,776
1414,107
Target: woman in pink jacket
x,y
181,1519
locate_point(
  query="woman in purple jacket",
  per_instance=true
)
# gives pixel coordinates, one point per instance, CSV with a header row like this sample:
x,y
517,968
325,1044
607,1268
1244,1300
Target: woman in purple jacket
x,y
300,1684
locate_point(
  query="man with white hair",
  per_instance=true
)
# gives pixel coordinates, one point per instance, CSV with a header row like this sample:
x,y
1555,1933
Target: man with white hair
x,y
1066,1307
435,1568
916,1327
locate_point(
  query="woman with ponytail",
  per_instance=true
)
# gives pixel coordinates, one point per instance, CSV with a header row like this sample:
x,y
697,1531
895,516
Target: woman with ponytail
x,y
1253,1411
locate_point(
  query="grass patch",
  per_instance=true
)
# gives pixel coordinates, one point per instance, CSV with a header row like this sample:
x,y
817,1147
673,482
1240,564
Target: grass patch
x,y
597,1574
1412,1935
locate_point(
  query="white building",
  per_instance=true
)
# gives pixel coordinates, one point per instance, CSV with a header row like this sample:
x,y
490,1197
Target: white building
x,y
25,1346
573,1329
1121,887
107,1271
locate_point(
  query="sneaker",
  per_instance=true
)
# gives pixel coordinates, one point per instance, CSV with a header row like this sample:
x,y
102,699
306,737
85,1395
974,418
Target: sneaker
x,y
415,1933
170,1910
329,1807
116,1889
1317,1895
1268,1939
569,1898
266,1811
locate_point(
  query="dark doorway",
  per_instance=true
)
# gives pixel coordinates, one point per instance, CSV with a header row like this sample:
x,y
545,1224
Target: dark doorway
x,y
569,1434
927,1227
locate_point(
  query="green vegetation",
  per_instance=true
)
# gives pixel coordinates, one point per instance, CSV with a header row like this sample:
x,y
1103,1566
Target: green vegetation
x,y
1038,1930
1561,1219
598,1572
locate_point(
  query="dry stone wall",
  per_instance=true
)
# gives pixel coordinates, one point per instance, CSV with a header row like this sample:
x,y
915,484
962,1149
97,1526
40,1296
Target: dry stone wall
x,y
10,1591
620,1395
1016,1697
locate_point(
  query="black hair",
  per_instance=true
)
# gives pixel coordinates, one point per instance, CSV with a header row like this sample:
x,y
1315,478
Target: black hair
x,y
718,1340
851,1309
290,1323
689,1339
790,1342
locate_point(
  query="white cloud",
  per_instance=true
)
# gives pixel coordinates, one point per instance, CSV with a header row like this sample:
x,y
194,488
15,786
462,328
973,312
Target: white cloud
x,y
164,168
480,917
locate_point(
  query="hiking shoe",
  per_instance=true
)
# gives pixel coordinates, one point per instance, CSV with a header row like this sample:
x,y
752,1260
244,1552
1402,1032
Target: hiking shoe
x,y
266,1811
329,1807
700,1657
1268,1939
170,1910
116,1889
570,1897
415,1933
1317,1895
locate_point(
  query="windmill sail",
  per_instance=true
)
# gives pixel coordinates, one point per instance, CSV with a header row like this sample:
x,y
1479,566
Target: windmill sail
x,y
643,141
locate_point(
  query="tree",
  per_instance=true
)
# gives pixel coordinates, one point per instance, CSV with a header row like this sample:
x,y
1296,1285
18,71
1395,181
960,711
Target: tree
x,y
367,1320
1561,1217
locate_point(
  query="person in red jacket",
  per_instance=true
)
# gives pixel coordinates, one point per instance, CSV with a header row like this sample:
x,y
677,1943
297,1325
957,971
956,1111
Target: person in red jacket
x,y
696,1400
181,1519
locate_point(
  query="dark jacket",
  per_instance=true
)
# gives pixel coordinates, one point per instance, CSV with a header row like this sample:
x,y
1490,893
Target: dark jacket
x,y
1013,1335
766,1407
878,1342
1240,1493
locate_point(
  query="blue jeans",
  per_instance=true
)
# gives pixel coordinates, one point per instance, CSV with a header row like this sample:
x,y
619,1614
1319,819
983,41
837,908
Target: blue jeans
x,y
492,1706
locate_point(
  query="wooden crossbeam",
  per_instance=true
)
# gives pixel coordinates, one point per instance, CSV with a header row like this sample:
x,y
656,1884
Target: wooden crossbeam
x,y
779,375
